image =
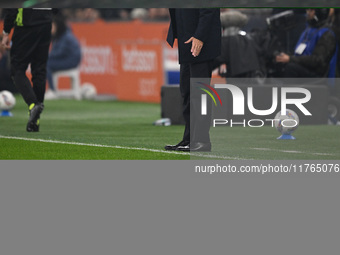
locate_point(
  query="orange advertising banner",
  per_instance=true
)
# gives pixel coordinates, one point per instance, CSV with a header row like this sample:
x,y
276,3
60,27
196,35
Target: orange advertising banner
x,y
123,58
126,59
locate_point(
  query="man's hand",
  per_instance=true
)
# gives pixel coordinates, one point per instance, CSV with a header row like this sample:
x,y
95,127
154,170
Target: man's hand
x,y
282,58
222,69
196,46
6,42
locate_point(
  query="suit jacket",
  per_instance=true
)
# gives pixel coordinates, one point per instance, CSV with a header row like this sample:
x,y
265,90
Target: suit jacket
x,y
203,24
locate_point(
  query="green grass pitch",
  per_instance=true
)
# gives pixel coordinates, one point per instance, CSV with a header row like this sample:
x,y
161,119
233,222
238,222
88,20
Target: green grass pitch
x,y
114,130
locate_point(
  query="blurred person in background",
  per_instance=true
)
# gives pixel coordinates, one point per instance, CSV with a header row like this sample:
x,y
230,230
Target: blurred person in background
x,y
335,21
336,28
110,14
150,14
238,54
158,14
316,50
30,45
86,15
139,14
65,52
289,27
81,14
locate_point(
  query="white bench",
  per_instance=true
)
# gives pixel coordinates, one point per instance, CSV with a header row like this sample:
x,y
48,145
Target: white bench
x,y
74,75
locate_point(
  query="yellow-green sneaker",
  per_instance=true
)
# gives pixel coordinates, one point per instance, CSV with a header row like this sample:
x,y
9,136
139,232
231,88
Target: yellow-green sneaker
x,y
34,117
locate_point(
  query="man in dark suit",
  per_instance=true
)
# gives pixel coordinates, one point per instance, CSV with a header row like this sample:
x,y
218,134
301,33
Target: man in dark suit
x,y
198,32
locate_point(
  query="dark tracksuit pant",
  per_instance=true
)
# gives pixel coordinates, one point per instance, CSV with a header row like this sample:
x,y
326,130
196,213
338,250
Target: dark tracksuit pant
x,y
30,46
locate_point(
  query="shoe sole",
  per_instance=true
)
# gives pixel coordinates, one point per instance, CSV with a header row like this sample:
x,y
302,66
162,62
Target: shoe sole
x,y
171,147
32,129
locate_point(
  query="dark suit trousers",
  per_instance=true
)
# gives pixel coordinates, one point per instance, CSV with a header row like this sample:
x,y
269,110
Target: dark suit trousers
x,y
197,127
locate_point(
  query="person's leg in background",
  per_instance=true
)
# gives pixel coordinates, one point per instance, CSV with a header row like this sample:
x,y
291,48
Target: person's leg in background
x,y
55,65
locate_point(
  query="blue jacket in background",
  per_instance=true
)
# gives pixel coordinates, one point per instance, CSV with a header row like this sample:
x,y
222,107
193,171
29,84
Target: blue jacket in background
x,y
311,37
66,50
65,54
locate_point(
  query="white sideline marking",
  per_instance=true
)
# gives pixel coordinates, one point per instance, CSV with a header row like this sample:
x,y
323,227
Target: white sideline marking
x,y
91,145
298,152
114,147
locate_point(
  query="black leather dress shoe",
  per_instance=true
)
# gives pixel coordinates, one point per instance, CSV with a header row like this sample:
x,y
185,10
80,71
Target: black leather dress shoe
x,y
174,147
195,147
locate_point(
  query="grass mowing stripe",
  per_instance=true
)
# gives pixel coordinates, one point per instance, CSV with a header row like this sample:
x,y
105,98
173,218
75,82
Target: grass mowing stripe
x,y
119,147
92,145
205,156
301,152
